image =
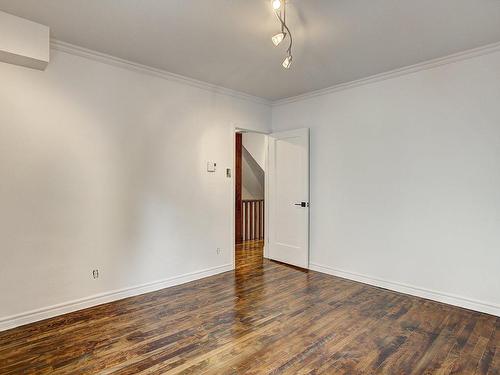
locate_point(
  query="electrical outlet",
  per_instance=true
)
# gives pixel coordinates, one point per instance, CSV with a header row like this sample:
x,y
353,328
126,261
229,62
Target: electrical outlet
x,y
219,251
95,274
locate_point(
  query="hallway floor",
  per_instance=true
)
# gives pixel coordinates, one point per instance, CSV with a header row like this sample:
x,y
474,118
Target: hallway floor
x,y
249,255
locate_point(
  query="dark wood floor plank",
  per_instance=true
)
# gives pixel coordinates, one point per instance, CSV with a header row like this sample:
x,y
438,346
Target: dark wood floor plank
x,y
494,348
263,318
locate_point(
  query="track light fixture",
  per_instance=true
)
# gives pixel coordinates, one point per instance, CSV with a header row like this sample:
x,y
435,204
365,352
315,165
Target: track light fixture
x,y
279,7
278,38
287,62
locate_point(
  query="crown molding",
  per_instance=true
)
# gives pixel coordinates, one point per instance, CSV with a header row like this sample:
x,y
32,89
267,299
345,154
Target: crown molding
x,y
430,64
59,45
72,49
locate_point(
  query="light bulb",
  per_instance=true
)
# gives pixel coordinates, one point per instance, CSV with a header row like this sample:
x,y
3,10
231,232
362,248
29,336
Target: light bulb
x,y
276,4
287,62
278,38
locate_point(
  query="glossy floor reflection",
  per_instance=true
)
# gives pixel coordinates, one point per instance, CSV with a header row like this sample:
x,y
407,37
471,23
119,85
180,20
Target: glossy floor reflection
x,y
263,318
249,256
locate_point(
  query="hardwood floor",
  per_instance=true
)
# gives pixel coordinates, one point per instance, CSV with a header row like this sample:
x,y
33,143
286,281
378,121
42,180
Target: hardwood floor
x,y
264,318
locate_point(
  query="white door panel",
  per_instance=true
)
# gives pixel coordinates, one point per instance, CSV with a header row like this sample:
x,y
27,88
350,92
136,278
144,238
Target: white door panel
x,y
288,188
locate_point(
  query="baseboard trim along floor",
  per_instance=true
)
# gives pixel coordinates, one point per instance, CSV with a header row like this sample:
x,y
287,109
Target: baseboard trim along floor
x,y
411,290
98,299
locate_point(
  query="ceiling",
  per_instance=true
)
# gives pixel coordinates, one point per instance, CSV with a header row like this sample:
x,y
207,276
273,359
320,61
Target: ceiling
x,y
227,42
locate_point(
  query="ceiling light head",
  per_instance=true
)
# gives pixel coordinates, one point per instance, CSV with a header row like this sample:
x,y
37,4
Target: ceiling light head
x,y
278,38
287,62
280,13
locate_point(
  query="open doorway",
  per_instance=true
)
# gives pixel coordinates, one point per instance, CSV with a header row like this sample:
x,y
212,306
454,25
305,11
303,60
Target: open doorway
x,y
271,198
250,193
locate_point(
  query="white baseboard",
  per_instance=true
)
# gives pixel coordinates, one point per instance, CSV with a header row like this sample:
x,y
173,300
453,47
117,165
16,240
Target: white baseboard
x,y
98,299
450,299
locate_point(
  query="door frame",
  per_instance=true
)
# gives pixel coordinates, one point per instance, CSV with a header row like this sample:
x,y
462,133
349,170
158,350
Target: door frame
x,y
238,184
234,129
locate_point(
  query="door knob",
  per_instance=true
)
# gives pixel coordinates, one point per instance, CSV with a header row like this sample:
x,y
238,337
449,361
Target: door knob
x,y
302,204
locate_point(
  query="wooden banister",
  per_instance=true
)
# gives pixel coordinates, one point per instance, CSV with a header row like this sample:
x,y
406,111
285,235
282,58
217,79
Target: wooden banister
x,y
253,219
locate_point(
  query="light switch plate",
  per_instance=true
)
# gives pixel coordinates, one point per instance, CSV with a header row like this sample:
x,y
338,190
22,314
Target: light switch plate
x,y
211,166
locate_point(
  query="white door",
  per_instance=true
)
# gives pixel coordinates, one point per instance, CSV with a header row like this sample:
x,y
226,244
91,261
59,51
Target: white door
x,y
289,197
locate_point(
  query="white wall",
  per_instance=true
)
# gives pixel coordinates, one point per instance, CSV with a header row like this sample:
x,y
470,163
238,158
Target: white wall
x,y
256,145
104,167
253,165
252,177
405,181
